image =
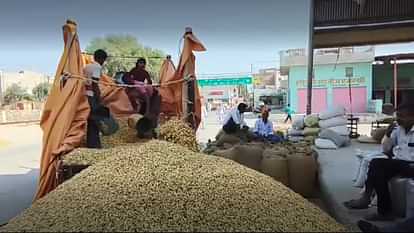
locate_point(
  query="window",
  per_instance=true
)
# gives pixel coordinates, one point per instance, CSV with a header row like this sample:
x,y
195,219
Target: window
x,y
349,72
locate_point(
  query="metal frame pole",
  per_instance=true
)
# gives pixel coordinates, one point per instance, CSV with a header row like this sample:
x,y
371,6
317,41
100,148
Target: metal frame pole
x,y
395,83
310,58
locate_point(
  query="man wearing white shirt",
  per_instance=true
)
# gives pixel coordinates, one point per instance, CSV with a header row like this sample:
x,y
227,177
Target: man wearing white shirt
x,y
234,120
93,72
398,144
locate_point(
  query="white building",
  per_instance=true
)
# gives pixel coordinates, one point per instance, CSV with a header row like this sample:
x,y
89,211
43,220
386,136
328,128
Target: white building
x,y
25,79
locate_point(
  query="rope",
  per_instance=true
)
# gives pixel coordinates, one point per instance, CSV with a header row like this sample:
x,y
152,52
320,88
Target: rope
x,y
67,75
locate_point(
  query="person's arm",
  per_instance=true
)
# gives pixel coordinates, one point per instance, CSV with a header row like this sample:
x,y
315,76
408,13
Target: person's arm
x,y
389,141
148,77
256,126
236,117
269,128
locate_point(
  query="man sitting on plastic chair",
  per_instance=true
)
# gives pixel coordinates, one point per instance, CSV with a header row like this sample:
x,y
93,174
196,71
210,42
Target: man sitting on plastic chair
x,y
263,129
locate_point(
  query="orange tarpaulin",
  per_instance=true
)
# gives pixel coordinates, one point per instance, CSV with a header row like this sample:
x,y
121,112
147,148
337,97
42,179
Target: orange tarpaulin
x,y
115,98
186,68
168,99
65,113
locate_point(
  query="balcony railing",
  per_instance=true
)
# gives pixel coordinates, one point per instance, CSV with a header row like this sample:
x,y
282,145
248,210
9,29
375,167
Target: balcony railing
x,y
355,12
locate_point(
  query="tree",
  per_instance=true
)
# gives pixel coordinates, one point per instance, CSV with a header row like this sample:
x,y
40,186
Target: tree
x,y
41,91
119,46
15,93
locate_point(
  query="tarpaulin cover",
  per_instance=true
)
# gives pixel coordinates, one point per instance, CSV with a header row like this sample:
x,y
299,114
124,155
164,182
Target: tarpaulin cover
x,y
65,113
186,68
169,100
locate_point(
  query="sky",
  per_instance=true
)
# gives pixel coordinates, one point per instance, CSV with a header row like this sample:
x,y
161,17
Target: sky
x,y
236,33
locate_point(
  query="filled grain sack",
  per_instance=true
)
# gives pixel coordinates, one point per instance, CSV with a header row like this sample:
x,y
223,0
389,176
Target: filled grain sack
x,y
332,122
378,134
302,174
249,156
276,151
226,153
275,167
219,134
296,138
340,141
164,187
311,121
296,132
325,144
298,122
341,130
227,138
332,113
311,131
310,139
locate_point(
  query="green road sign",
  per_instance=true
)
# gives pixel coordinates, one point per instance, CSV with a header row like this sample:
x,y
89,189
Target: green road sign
x,y
243,80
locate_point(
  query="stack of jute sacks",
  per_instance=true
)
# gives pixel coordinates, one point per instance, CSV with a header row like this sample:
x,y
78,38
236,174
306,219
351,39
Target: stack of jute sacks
x,y
304,128
334,131
291,163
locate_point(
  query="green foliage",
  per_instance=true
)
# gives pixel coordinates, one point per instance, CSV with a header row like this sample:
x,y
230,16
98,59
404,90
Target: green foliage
x,y
126,46
16,93
41,91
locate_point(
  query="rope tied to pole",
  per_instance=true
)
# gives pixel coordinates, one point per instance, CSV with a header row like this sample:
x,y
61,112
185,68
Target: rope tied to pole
x,y
68,75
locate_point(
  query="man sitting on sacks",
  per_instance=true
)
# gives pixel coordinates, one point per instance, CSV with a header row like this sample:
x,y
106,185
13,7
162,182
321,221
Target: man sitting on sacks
x,y
398,145
234,123
263,129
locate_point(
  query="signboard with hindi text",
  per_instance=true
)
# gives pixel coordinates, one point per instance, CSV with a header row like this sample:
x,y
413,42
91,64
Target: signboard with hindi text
x,y
230,81
323,83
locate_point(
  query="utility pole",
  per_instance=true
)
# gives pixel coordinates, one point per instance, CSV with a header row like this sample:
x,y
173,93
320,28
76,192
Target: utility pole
x,y
1,88
251,72
310,58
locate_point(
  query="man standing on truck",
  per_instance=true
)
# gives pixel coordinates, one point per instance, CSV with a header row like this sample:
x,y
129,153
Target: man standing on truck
x,y
93,72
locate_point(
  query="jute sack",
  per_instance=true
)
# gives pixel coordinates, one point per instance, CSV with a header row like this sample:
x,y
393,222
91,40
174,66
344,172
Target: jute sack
x,y
227,146
276,167
249,156
276,151
312,121
228,153
295,132
332,112
227,138
219,134
333,122
298,123
325,144
302,174
311,131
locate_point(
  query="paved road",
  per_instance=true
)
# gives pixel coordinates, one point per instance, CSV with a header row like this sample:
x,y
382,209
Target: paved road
x,y
19,163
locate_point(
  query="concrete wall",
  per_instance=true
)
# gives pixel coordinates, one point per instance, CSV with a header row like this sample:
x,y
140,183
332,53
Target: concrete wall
x,y
10,116
328,82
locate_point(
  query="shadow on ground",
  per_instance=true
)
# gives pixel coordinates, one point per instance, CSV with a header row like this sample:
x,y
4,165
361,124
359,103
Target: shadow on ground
x,y
16,193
